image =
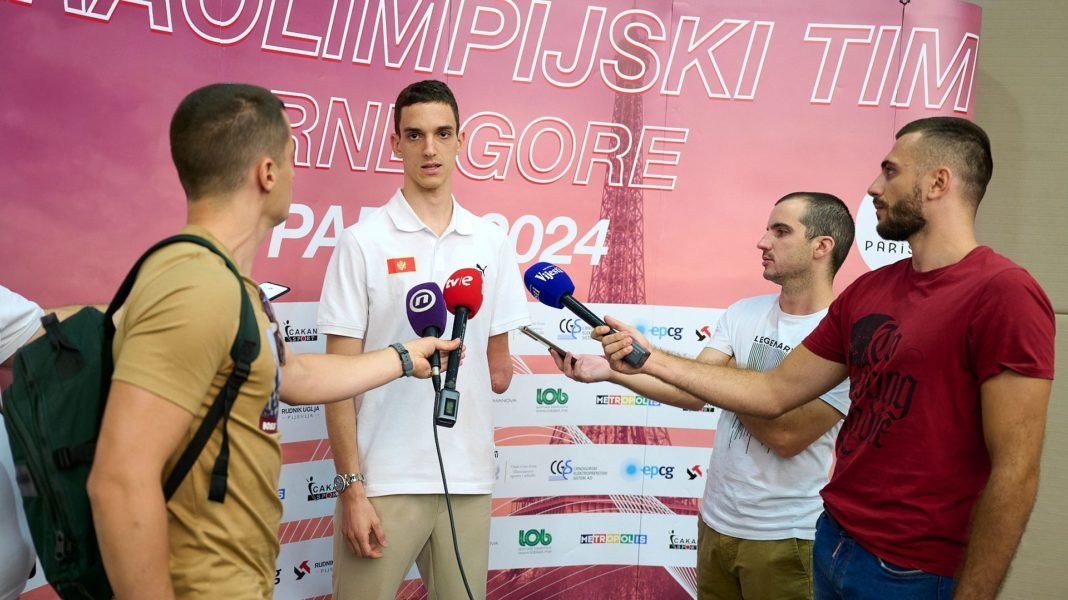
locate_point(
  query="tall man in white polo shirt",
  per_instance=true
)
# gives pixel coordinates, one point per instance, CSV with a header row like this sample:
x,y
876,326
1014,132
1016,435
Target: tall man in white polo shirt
x,y
393,512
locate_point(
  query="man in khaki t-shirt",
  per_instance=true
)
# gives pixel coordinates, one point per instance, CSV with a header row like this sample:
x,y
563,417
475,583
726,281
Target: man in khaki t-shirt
x,y
174,340
232,148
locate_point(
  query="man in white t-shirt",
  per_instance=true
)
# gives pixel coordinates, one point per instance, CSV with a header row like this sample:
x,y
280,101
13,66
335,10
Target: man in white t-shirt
x,y
391,510
761,501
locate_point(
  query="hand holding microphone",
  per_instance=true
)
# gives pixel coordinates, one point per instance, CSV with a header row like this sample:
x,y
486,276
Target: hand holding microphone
x,y
463,298
551,286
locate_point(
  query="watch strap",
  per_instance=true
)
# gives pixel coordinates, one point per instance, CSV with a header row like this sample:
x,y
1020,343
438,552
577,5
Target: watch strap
x,y
406,359
349,479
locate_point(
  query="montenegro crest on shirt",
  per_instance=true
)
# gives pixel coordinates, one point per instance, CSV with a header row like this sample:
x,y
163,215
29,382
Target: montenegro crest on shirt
x,y
400,265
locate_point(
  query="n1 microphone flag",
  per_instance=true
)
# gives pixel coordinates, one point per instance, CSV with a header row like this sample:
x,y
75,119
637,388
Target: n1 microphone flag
x,y
425,305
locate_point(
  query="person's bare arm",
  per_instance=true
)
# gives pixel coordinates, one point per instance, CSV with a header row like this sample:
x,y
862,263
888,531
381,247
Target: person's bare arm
x,y
335,377
801,377
788,435
139,432
1014,424
359,521
500,362
589,368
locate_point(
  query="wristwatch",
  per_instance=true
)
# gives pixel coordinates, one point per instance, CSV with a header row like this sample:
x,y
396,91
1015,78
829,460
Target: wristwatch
x,y
342,481
406,360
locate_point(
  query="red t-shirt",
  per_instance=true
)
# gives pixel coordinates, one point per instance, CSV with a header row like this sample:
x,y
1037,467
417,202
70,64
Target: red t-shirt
x,y
911,459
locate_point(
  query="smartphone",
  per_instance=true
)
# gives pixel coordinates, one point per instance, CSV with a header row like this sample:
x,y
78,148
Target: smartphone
x,y
542,340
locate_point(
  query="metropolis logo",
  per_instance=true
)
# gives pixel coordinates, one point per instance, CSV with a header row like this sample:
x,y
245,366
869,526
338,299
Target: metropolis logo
x,y
421,301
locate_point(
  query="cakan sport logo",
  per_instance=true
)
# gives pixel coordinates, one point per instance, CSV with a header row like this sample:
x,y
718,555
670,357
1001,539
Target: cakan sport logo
x,y
678,542
881,395
320,491
694,472
300,334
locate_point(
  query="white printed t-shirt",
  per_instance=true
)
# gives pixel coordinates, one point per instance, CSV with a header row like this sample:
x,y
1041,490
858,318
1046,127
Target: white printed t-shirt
x,y
751,493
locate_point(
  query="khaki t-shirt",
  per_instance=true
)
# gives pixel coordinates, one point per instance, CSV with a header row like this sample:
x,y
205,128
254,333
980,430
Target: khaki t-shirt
x,y
173,339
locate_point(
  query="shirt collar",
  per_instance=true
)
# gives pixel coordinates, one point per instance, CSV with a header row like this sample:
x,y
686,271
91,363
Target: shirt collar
x,y
405,219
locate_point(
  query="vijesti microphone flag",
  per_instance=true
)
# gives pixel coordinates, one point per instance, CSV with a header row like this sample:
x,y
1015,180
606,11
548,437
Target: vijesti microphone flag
x,y
550,285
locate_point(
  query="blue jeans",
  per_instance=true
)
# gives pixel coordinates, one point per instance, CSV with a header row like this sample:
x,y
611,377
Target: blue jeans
x,y
843,570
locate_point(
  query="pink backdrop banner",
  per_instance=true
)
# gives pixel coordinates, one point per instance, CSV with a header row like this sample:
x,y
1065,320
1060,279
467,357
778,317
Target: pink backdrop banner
x,y
637,143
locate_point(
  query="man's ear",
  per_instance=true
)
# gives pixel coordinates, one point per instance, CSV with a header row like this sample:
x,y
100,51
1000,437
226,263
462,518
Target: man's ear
x,y
824,246
266,173
942,179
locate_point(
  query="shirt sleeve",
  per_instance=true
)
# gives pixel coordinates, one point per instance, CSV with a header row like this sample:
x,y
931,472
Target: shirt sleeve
x,y
721,337
177,329
343,307
1012,328
510,310
827,340
19,320
838,397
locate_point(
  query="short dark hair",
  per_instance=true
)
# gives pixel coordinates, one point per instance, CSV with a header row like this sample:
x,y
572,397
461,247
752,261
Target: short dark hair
x,y
428,90
219,130
959,143
826,215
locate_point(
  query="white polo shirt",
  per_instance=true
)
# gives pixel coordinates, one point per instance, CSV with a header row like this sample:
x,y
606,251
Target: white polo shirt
x,y
19,319
374,265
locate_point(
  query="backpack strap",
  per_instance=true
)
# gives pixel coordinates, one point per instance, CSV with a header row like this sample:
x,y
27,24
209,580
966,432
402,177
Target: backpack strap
x,y
243,351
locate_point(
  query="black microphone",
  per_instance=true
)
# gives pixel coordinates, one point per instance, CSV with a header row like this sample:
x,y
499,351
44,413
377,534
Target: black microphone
x,y
463,298
551,286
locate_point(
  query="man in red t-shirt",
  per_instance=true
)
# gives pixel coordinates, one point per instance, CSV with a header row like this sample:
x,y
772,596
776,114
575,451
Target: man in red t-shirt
x,y
950,358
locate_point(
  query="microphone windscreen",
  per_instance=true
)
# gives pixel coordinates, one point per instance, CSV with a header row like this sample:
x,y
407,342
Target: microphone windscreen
x,y
464,288
548,284
426,308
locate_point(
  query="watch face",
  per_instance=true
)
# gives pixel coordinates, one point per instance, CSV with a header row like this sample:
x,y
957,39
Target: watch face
x,y
339,484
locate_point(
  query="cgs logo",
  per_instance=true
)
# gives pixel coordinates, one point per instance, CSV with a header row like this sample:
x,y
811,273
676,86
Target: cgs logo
x,y
423,300
550,396
534,537
573,329
560,469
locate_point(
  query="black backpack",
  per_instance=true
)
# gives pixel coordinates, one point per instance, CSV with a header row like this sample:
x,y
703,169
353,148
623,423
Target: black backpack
x,y
53,410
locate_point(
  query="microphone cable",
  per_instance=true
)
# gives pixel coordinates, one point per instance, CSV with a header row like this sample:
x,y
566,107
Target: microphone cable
x,y
445,485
